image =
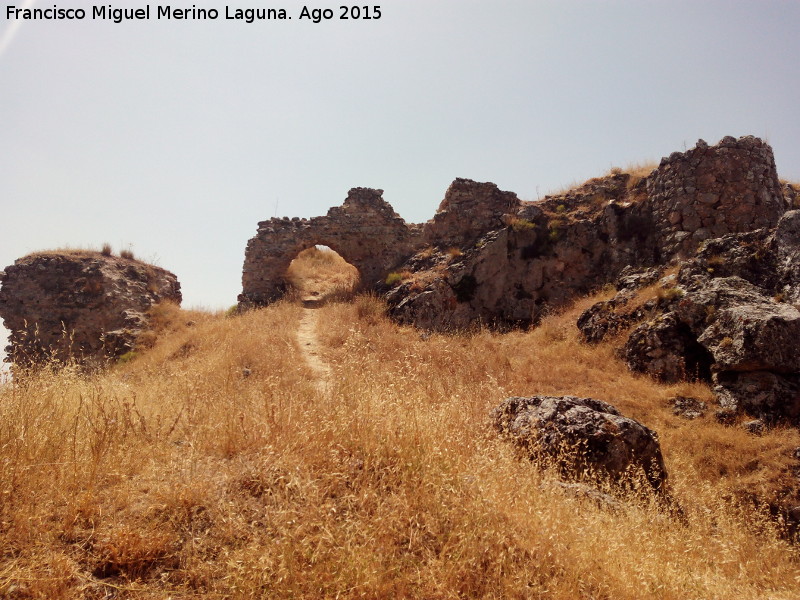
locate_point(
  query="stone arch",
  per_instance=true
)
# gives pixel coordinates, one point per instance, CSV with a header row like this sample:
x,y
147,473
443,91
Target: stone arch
x,y
365,231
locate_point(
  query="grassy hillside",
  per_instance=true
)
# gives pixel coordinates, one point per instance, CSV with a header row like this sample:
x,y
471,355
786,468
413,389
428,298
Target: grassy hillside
x,y
216,464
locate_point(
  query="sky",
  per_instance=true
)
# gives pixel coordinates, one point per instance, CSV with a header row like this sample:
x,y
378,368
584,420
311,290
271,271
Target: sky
x,y
174,138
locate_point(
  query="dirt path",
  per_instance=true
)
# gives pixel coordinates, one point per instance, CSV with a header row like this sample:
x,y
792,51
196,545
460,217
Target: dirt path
x,y
310,348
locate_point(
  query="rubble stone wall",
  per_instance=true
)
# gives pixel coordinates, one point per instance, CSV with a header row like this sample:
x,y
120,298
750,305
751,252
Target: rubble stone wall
x,y
487,256
568,244
710,191
81,305
365,231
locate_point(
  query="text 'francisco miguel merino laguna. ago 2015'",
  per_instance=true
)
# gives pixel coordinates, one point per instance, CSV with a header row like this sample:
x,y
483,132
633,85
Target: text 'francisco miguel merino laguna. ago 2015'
x,y
167,12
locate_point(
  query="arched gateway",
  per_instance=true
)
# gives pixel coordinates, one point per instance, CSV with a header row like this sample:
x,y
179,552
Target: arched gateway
x,y
365,231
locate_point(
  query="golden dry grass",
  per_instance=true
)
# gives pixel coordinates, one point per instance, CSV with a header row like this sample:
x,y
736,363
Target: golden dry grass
x,y
212,466
105,251
323,274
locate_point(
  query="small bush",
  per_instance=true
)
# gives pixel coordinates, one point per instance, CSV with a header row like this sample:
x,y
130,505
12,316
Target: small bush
x,y
396,277
106,250
393,278
127,357
670,294
454,252
518,224
426,252
127,253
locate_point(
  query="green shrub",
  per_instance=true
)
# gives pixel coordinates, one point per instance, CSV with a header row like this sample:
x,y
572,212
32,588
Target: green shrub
x,y
127,357
521,224
394,278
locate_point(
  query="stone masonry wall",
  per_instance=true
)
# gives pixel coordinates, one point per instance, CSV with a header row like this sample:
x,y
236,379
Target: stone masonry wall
x,y
81,305
569,244
487,256
469,210
710,191
365,231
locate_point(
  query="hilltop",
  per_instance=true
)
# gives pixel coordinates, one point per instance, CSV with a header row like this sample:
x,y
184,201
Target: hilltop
x,y
220,462
323,441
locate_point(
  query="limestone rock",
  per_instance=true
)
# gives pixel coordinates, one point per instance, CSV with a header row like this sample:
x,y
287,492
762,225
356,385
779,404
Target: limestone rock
x,y
81,305
760,336
688,407
786,246
581,434
545,253
631,279
603,319
665,348
770,396
734,322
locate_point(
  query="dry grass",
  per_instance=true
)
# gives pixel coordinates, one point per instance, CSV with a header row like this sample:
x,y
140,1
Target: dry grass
x,y
105,251
638,170
323,274
212,466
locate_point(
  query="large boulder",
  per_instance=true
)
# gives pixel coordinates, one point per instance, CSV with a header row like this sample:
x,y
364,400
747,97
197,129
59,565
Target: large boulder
x,y
665,348
582,434
79,305
768,395
759,336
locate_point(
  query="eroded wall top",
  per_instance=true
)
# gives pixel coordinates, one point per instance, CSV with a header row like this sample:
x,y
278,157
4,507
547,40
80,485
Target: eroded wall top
x,y
80,305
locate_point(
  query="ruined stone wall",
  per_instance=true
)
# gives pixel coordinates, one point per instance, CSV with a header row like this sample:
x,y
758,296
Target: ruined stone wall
x,y
365,231
81,305
710,191
468,211
574,242
487,256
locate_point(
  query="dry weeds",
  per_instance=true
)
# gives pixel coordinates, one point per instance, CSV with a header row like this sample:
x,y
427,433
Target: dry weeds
x,y
322,274
212,466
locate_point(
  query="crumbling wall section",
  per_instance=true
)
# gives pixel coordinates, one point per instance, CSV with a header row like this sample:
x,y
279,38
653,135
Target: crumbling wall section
x,y
469,209
487,256
365,231
79,305
710,191
547,252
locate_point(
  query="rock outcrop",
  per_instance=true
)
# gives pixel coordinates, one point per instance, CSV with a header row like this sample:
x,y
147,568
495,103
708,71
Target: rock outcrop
x,y
550,251
79,305
731,319
580,435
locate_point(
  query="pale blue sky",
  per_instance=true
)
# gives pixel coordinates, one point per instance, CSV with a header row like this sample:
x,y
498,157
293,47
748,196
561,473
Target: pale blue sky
x,y
176,138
